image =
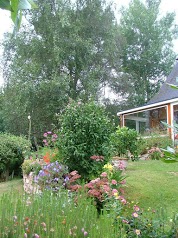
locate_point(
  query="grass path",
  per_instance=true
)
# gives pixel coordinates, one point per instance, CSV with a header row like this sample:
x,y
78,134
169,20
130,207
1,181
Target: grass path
x,y
16,184
153,184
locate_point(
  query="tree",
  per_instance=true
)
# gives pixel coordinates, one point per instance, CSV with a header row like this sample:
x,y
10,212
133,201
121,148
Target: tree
x,y
69,51
147,55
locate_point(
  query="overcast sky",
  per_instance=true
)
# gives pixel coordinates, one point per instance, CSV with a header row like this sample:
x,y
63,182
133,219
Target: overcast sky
x,y
166,6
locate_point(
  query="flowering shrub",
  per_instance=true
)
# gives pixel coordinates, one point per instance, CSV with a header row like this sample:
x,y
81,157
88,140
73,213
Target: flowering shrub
x,y
84,138
106,189
144,225
155,153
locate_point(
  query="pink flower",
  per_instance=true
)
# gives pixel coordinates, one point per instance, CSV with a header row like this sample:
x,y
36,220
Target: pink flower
x,y
45,141
114,182
45,134
85,233
43,224
25,235
49,132
36,236
136,208
123,201
121,165
106,188
125,221
121,190
135,214
114,191
54,136
104,174
123,182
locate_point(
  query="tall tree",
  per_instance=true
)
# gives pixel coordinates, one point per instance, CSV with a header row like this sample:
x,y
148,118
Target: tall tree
x,y
69,50
148,52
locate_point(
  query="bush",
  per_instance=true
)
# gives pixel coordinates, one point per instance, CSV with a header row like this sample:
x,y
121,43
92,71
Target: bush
x,y
154,140
124,140
13,149
85,138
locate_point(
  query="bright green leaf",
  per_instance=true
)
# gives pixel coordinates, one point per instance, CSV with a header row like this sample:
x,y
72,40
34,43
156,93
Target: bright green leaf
x,y
5,4
172,86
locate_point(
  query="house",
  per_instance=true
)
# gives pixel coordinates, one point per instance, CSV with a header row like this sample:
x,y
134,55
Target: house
x,y
162,107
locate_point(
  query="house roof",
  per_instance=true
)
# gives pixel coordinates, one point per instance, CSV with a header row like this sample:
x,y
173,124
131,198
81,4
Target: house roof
x,y
166,92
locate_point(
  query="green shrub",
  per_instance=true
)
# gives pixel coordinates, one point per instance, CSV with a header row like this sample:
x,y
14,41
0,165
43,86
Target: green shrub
x,y
84,138
124,140
12,151
154,140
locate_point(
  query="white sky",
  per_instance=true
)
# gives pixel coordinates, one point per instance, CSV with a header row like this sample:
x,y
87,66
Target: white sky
x,y
166,6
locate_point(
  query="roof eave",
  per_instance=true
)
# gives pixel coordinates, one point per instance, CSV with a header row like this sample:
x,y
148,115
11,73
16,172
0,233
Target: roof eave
x,y
144,108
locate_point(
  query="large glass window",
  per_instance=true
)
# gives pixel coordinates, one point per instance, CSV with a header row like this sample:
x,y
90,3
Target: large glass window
x,y
148,121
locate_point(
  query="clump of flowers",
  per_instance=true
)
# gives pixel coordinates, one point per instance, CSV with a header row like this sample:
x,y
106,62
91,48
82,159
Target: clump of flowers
x,y
52,176
97,158
142,224
106,188
49,138
155,153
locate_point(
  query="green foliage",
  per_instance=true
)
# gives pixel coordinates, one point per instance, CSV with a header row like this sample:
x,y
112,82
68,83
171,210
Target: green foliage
x,y
31,165
170,155
85,138
69,50
147,52
13,151
155,153
154,140
125,140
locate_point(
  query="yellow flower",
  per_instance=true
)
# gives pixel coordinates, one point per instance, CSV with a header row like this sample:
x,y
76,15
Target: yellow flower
x,y
108,166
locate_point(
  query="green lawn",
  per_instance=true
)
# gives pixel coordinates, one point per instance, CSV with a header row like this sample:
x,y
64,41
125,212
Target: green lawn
x,y
153,184
13,185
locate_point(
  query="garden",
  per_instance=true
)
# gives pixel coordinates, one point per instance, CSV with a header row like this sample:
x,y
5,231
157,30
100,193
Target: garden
x,y
88,178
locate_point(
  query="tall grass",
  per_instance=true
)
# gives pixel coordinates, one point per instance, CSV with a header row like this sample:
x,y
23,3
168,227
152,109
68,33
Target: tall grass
x,y
53,216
